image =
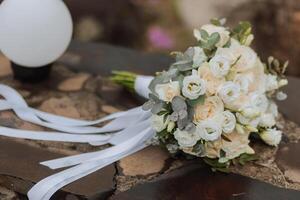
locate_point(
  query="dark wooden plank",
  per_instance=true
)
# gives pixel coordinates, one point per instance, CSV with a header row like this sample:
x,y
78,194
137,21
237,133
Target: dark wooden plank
x,y
20,169
195,182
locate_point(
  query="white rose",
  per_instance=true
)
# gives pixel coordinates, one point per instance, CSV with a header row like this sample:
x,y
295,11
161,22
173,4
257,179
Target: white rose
x,y
267,120
210,29
252,122
212,82
158,123
247,57
259,101
209,130
168,91
271,82
229,92
193,86
212,107
229,122
244,81
199,56
186,139
219,66
271,137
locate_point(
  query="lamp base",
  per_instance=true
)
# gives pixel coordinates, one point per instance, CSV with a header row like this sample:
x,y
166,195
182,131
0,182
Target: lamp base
x,y
31,75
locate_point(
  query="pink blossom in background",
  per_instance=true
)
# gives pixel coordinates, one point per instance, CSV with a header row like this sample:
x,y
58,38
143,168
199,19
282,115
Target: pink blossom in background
x,y
159,38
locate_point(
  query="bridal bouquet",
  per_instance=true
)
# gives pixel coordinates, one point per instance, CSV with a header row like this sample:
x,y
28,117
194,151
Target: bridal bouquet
x,y
207,104
215,95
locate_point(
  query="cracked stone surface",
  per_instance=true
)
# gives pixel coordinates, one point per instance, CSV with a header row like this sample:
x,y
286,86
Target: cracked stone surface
x,y
149,174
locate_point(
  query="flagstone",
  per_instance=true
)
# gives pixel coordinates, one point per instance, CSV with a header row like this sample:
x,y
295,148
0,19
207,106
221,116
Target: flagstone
x,y
145,162
60,106
74,83
5,68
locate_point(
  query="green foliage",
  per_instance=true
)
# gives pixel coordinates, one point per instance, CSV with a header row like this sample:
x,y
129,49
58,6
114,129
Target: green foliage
x,y
124,78
216,165
242,31
275,67
244,158
199,100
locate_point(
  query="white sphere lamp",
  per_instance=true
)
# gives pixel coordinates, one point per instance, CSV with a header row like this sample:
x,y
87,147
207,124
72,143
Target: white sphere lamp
x,y
34,33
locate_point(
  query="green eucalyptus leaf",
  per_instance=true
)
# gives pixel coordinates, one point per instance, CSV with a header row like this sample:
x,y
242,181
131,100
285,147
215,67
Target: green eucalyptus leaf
x,y
178,104
199,100
204,34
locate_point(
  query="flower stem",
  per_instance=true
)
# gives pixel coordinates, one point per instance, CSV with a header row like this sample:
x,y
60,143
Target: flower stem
x,y
124,78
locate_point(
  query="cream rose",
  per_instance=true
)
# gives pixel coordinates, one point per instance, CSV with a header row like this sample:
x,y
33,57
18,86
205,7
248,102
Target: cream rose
x,y
186,139
168,91
210,29
193,86
239,144
212,82
212,107
271,137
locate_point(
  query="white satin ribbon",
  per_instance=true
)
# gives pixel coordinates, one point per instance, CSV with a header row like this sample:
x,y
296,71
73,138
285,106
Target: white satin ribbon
x,y
129,131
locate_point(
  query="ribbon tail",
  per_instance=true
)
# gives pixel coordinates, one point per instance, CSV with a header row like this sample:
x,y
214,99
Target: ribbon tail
x,y
81,158
48,186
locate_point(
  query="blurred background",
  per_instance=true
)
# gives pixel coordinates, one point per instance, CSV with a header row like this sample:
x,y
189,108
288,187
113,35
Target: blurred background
x,y
166,25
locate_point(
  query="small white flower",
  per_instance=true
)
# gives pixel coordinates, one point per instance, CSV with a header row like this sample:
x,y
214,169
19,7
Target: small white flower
x,y
229,122
168,91
209,130
210,29
172,148
229,92
193,86
158,123
273,108
271,137
219,66
271,82
283,82
281,96
199,56
186,139
267,120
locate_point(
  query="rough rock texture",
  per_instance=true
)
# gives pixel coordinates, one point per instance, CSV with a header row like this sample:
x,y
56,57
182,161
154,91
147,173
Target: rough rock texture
x,y
95,97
